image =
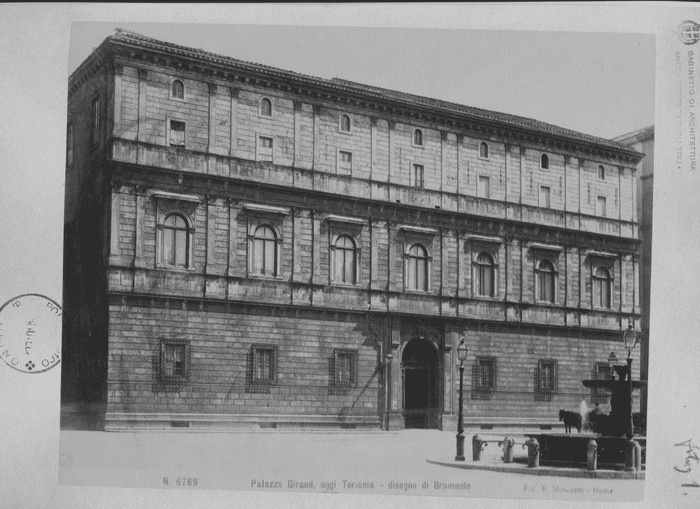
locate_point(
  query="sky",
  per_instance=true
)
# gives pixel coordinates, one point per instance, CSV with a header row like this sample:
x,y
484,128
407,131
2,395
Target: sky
x,y
596,83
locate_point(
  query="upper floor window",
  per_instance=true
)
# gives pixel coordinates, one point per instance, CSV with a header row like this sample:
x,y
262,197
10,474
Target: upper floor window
x,y
177,90
265,107
175,242
264,252
344,162
544,161
601,172
417,265
344,259
545,281
484,190
345,124
69,144
545,197
601,207
483,150
417,175
265,149
95,121
484,276
177,133
417,138
601,288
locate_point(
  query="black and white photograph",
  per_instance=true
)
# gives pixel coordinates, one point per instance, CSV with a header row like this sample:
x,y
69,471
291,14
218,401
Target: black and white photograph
x,y
314,262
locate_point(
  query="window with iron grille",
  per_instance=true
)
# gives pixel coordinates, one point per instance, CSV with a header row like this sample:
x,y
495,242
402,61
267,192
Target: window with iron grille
x,y
601,371
344,368
483,377
262,365
545,380
174,361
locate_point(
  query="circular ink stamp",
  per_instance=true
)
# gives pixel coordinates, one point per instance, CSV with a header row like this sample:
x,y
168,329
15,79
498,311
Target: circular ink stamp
x,y
30,333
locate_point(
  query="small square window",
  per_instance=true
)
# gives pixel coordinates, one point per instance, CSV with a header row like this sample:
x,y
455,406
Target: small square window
x,y
265,149
484,190
344,368
545,197
601,207
174,361
177,133
417,175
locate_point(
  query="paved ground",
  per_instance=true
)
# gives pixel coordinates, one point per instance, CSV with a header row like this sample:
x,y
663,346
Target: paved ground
x,y
409,462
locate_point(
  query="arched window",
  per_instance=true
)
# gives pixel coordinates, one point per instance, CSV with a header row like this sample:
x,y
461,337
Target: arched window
x,y
601,288
545,281
544,162
344,260
418,137
417,268
177,90
175,241
484,276
345,123
601,172
265,107
484,150
264,251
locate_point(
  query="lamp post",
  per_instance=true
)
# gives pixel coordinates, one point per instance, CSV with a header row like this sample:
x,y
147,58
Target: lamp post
x,y
461,355
630,337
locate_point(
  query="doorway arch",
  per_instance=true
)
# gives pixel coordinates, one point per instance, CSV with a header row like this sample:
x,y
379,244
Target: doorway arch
x,y
419,364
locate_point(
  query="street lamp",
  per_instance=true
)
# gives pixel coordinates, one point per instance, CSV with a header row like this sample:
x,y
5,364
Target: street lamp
x,y
461,355
630,338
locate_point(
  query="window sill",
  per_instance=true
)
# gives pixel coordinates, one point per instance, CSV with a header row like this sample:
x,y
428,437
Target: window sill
x,y
173,268
486,298
265,278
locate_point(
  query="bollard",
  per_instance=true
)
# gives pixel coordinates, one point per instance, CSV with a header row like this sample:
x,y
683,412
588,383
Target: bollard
x,y
629,456
592,455
476,448
508,445
637,456
533,453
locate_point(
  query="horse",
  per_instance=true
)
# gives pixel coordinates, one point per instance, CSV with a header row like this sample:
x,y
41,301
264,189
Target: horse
x,y
570,419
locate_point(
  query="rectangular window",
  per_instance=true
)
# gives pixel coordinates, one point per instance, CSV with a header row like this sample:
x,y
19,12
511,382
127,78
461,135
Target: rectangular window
x,y
417,175
601,207
484,190
69,144
95,125
263,364
547,376
545,197
344,162
265,147
483,377
344,369
174,362
176,133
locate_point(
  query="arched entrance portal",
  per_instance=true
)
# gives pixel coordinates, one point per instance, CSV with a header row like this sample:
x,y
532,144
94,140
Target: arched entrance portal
x,y
420,388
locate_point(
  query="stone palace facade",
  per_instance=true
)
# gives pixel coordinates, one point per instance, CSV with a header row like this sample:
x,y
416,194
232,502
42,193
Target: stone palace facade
x,y
252,247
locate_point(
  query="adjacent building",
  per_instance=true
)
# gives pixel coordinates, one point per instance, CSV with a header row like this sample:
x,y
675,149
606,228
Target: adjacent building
x,y
252,247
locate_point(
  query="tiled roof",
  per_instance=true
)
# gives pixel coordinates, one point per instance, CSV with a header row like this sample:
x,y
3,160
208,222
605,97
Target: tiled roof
x,y
125,36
